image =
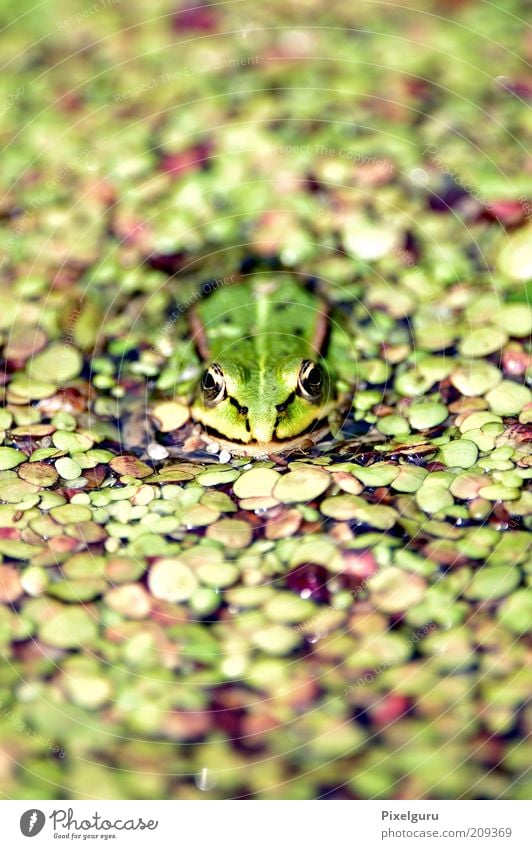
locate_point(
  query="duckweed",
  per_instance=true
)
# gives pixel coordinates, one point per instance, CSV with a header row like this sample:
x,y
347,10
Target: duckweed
x,y
461,453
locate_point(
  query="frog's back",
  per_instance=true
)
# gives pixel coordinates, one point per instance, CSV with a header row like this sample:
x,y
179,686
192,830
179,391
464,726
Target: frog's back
x,y
259,307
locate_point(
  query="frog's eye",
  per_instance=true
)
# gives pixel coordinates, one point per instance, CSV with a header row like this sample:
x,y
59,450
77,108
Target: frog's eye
x,y
213,385
309,383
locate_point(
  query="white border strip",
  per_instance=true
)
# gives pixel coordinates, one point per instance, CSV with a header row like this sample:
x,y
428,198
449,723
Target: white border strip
x,y
259,825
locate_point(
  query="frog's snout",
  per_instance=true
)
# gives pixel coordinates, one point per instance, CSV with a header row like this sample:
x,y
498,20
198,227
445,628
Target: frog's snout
x,y
262,427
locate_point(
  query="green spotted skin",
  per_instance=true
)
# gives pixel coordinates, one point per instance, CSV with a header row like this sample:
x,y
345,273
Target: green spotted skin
x,y
258,340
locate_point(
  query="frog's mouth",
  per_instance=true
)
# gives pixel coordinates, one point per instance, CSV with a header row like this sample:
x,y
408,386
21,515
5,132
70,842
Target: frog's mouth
x,y
312,434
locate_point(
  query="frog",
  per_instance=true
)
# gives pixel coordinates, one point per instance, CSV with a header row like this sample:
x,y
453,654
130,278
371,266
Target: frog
x,y
269,381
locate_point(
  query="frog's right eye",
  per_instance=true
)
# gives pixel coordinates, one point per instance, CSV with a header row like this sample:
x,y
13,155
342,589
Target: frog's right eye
x,y
213,385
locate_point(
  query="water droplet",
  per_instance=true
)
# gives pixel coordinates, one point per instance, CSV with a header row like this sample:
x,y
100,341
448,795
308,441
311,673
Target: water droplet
x,y
204,780
157,452
248,28
165,348
188,373
502,81
419,176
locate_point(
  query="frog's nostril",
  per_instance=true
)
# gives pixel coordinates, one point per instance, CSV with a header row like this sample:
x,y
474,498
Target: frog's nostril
x,y
242,410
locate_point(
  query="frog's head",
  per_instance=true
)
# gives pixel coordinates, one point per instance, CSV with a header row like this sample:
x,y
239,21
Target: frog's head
x,y
247,404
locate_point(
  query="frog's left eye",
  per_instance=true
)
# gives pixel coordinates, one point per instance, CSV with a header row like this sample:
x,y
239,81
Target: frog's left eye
x,y
310,382
213,385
